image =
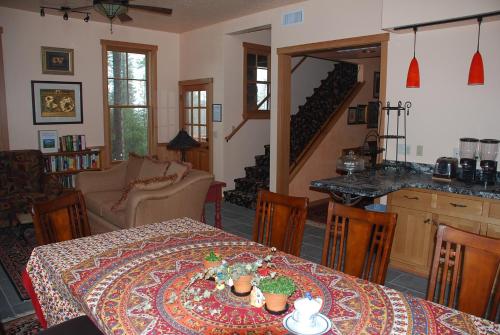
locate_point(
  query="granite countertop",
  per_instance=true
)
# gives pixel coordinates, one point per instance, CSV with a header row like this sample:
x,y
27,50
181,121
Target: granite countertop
x,y
384,180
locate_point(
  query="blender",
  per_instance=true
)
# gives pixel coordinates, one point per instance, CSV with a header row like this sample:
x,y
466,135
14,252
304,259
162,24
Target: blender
x,y
488,153
468,155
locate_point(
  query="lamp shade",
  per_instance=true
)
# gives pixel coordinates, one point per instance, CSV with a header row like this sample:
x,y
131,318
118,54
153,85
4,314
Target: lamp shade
x,y
413,77
476,71
182,141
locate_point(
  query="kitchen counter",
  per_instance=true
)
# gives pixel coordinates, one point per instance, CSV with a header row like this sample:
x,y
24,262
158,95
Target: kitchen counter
x,y
384,180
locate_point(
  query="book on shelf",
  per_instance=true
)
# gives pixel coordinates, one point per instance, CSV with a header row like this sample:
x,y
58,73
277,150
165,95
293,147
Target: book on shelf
x,y
90,159
67,181
72,143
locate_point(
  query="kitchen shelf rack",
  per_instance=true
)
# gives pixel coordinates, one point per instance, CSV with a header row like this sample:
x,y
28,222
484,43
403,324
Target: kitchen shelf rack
x,y
401,110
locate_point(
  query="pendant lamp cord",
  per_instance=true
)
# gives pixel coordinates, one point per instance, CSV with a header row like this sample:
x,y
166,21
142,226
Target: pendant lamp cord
x,y
415,40
479,20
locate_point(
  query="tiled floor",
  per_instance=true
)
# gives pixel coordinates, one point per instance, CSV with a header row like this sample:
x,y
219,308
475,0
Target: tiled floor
x,y
239,221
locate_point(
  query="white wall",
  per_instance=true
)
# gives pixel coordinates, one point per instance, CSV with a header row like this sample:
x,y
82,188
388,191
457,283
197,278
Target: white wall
x,y
306,78
24,34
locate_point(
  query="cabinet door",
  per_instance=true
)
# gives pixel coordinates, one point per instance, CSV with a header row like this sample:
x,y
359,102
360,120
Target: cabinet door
x,y
493,230
413,240
459,223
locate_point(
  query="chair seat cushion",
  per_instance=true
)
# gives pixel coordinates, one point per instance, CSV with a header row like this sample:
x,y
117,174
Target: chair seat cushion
x,y
80,325
100,204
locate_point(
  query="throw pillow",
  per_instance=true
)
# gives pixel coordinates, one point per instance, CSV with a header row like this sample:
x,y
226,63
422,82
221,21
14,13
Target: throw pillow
x,y
152,168
134,165
149,184
181,169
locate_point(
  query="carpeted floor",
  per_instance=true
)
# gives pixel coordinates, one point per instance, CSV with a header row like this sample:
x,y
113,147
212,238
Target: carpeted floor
x,y
25,325
14,254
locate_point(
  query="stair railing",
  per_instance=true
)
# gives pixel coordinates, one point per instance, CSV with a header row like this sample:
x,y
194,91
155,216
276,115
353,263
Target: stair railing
x,y
235,130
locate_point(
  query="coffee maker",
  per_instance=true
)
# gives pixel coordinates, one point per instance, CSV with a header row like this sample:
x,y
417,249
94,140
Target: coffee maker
x,y
468,155
488,153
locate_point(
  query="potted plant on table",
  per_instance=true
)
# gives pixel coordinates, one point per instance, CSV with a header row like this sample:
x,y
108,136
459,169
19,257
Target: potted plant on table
x,y
242,275
276,291
212,260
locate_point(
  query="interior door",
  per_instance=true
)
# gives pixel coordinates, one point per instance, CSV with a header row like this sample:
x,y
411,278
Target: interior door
x,y
196,118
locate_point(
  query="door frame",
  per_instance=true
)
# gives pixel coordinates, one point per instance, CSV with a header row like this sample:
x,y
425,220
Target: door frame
x,y
284,93
209,83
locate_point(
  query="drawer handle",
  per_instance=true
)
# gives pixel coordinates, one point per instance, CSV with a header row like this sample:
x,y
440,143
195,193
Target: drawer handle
x,y
411,198
457,205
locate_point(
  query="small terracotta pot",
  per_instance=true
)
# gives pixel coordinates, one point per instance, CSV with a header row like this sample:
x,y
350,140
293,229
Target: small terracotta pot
x,y
243,284
275,302
211,264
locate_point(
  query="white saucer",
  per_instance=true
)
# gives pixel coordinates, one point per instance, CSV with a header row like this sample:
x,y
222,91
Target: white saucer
x,y
323,324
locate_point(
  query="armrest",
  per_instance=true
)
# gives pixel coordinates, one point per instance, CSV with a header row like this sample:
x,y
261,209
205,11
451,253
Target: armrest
x,y
107,180
185,198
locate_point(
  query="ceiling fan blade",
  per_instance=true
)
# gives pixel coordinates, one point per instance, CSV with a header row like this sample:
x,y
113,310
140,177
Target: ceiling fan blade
x,y
124,17
160,10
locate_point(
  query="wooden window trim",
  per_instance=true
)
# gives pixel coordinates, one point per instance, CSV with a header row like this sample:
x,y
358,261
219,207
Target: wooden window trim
x,y
259,50
4,129
151,51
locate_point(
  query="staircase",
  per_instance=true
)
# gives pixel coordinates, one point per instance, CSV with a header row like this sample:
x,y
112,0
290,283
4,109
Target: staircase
x,y
304,125
256,177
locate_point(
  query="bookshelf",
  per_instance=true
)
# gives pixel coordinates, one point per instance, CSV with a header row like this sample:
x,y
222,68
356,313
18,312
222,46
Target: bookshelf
x,y
65,165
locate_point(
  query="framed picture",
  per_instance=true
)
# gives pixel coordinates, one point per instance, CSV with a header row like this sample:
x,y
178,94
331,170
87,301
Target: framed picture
x,y
217,113
376,85
48,141
351,115
56,102
361,114
57,61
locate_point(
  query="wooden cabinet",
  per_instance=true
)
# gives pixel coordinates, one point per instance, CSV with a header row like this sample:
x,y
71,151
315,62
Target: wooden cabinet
x,y
419,214
413,240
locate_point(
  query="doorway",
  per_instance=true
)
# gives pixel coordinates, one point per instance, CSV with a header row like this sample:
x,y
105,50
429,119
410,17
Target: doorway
x,y
284,93
195,117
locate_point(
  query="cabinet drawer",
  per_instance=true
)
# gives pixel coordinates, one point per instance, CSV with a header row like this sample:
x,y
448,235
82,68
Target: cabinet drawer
x,y
411,199
493,230
494,211
459,205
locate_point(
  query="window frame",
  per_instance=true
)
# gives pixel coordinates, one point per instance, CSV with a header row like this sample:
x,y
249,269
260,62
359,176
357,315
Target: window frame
x,y
151,79
262,50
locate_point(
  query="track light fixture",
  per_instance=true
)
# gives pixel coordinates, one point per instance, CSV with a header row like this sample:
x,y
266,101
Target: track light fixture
x,y
42,11
65,16
66,11
87,18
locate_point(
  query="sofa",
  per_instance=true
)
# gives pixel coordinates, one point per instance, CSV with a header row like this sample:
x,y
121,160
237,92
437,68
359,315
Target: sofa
x,y
23,182
104,190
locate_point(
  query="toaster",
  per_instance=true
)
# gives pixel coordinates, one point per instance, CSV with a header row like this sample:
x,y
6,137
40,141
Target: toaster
x,y
445,168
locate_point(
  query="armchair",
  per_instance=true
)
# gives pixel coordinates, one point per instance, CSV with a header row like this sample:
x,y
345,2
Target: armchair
x,y
103,189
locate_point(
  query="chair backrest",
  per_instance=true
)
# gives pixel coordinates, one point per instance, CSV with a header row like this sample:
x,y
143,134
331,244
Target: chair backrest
x,y
358,242
60,219
464,271
279,221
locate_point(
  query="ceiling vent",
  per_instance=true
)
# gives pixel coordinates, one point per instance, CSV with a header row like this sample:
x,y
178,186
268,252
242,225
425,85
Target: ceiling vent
x,y
295,17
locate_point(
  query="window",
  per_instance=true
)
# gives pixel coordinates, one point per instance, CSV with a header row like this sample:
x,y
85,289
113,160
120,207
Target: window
x,y
257,81
195,109
129,103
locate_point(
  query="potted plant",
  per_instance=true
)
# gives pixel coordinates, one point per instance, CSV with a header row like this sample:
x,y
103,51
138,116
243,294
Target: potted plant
x,y
242,275
212,260
276,291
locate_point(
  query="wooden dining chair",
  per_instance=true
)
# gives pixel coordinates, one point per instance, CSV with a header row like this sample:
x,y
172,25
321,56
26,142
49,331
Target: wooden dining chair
x,y
60,219
465,272
358,242
279,221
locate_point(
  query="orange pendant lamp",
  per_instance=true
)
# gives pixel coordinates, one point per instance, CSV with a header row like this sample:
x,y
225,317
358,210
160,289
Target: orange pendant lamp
x,y
476,71
413,77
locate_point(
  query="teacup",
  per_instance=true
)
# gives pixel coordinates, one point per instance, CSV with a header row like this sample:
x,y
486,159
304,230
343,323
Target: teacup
x,y
305,319
306,311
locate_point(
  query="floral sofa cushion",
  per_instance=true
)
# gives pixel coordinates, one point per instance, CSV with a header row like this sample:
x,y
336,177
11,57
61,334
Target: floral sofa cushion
x,y
22,181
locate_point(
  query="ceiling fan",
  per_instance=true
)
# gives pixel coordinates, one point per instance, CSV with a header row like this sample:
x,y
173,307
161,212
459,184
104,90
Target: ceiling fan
x,y
109,8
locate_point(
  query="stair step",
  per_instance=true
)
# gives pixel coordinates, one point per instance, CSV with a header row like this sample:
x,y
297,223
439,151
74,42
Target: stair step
x,y
250,185
262,161
257,172
240,198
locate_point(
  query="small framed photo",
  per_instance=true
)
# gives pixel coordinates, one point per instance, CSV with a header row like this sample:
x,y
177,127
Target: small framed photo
x,y
56,102
361,114
57,61
217,112
372,112
48,141
351,115
376,85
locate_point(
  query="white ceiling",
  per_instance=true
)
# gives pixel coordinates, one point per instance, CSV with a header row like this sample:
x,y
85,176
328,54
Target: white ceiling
x,y
187,14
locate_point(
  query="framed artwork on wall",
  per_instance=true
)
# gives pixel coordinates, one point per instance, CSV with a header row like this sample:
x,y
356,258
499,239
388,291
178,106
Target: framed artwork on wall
x,y
351,115
217,112
361,114
48,141
56,102
57,61
376,84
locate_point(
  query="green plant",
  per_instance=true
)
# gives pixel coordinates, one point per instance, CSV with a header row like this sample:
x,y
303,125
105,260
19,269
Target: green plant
x,y
213,257
243,269
277,285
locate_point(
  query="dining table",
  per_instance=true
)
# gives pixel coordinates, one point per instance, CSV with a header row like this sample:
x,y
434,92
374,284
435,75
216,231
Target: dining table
x,y
134,281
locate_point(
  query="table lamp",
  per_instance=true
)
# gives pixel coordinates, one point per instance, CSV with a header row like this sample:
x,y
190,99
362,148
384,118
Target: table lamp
x,y
183,141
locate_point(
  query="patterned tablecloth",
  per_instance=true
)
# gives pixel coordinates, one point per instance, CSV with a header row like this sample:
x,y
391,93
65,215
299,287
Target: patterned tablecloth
x,y
125,282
